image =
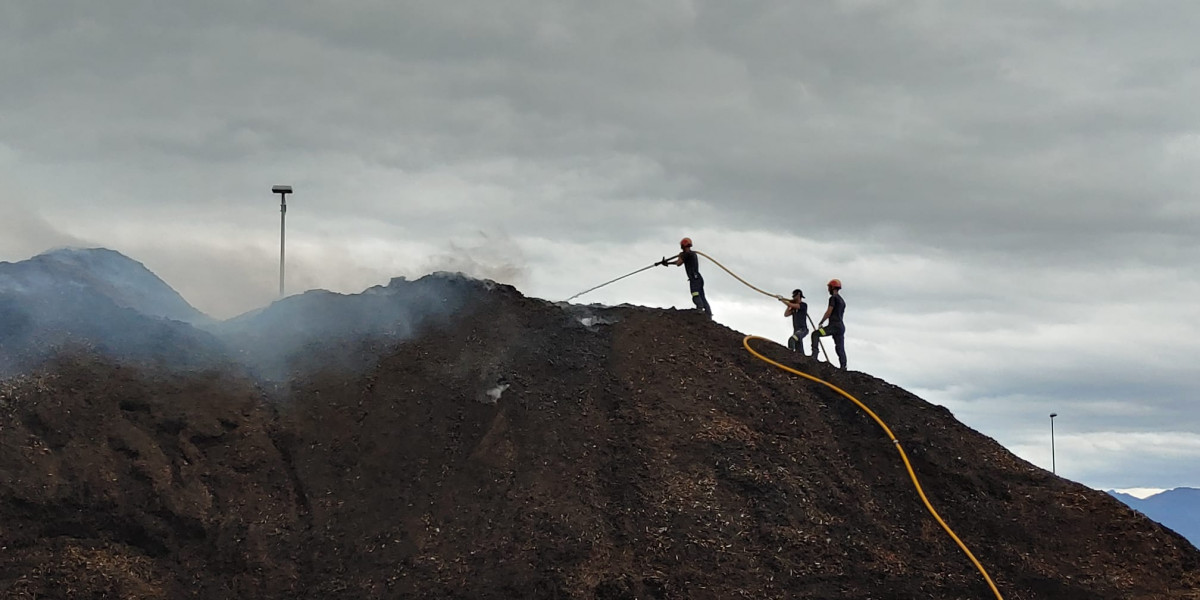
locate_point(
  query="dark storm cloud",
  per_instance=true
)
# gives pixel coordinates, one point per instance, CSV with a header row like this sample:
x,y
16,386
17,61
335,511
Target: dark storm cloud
x,y
946,125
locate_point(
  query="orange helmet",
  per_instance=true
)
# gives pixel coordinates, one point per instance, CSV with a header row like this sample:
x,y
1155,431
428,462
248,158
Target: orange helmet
x,y
835,283
685,243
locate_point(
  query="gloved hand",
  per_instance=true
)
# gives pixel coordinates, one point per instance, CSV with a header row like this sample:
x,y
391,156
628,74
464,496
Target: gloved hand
x,y
663,262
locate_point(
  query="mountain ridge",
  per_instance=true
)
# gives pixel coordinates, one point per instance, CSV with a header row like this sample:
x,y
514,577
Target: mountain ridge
x,y
127,282
96,300
1177,509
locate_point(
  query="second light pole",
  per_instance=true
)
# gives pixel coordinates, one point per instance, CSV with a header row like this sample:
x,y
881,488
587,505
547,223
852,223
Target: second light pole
x,y
283,191
1053,467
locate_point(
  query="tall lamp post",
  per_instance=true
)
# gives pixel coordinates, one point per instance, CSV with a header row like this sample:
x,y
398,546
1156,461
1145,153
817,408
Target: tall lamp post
x,y
283,191
1053,467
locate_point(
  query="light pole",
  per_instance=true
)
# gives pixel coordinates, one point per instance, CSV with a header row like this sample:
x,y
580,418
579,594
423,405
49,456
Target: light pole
x,y
1053,467
283,191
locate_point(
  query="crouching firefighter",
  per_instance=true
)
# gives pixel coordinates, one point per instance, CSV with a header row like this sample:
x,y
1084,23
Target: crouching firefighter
x,y
836,327
691,264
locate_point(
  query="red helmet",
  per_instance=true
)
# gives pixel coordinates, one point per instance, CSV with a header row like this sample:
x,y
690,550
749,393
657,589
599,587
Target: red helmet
x,y
685,243
835,283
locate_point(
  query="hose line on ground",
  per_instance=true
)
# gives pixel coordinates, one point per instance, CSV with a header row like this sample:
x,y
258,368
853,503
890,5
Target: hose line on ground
x,y
904,457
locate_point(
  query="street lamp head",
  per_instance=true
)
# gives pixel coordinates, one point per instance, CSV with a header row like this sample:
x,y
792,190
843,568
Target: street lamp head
x,y
1052,415
281,189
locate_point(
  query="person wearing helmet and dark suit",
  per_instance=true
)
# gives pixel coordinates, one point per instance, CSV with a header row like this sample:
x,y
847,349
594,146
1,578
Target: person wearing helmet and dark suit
x,y
836,327
797,309
691,264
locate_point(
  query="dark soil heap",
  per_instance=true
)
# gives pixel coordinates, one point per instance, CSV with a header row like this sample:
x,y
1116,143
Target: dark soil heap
x,y
530,450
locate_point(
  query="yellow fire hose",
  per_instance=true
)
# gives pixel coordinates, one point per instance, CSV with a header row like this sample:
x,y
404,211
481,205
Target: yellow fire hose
x,y
896,442
735,276
904,457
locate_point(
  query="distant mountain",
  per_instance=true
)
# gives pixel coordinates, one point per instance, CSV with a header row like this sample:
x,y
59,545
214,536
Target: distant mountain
x,y
1178,509
124,281
101,300
1128,499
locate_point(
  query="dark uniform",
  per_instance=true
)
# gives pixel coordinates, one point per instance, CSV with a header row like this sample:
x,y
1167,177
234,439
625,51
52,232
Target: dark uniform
x,y
835,328
799,328
691,264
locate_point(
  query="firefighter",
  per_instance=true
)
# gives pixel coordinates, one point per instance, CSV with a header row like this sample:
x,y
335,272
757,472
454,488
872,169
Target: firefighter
x,y
797,309
836,327
691,264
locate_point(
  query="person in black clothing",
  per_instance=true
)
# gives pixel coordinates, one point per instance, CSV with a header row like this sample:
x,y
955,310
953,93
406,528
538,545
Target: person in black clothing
x,y
797,309
836,327
691,263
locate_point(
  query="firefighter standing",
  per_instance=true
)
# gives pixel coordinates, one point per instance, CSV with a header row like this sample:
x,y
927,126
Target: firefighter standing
x,y
691,264
836,327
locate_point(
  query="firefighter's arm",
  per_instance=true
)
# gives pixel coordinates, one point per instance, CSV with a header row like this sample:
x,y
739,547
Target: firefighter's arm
x,y
828,311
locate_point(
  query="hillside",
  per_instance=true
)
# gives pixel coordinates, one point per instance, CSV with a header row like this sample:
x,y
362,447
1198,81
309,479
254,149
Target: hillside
x,y
124,281
100,301
521,449
1178,509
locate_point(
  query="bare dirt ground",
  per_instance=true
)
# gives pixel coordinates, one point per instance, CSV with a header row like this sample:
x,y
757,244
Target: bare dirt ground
x,y
518,452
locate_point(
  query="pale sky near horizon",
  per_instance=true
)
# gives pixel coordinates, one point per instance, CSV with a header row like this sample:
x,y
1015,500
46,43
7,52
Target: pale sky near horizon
x,y
1007,190
1142,493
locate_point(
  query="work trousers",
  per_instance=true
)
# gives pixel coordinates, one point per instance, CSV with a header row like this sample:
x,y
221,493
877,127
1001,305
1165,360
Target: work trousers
x,y
697,287
838,332
796,342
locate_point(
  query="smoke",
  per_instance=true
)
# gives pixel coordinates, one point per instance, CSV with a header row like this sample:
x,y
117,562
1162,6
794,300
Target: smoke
x,y
498,258
321,330
105,302
38,328
25,233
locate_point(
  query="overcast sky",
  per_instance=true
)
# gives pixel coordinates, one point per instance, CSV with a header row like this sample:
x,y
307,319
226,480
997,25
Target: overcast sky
x,y
1006,189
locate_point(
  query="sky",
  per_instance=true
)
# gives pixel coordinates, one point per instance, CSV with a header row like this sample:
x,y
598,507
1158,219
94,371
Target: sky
x,y
1005,189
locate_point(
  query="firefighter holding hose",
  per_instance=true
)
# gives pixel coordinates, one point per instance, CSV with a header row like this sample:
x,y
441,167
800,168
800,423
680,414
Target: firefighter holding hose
x,y
691,264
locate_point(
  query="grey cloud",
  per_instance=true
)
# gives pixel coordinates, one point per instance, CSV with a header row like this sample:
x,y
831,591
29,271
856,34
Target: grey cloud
x,y
466,85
